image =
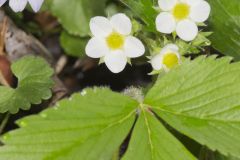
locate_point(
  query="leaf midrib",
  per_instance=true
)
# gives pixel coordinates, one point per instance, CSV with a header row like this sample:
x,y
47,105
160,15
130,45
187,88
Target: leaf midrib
x,y
194,117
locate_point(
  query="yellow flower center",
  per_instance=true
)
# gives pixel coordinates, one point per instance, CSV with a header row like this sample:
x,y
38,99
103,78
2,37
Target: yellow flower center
x,y
115,41
170,60
181,11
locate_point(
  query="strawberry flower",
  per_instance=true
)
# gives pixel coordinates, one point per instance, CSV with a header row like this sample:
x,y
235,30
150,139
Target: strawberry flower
x,y
112,41
19,5
182,16
167,59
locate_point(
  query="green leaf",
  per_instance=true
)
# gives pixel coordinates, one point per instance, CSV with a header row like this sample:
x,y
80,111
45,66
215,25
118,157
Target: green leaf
x,y
151,141
34,83
207,154
201,99
75,15
221,157
225,24
143,10
73,45
90,126
46,6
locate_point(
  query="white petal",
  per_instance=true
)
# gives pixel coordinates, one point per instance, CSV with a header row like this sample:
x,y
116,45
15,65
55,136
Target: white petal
x,y
187,30
121,23
17,5
116,61
166,5
36,4
133,47
100,26
2,2
96,48
156,62
165,23
169,47
192,2
200,12
172,51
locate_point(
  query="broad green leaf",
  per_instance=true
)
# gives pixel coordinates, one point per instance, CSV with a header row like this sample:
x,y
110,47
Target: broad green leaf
x,y
151,141
144,10
73,45
89,126
201,99
207,154
34,83
221,157
75,15
225,24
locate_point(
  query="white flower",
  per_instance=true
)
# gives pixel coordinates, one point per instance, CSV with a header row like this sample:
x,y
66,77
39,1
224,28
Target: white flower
x,y
19,5
181,16
168,58
112,41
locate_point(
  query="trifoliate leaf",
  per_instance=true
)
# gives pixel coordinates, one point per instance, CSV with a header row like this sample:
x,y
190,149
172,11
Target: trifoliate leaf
x,y
143,10
225,24
34,83
151,141
75,15
201,99
88,126
73,45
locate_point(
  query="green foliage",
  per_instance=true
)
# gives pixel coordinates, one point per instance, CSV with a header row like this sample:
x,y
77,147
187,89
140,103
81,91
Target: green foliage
x,y
196,46
151,141
201,99
46,5
90,125
34,83
221,157
75,15
143,10
73,45
225,24
207,154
